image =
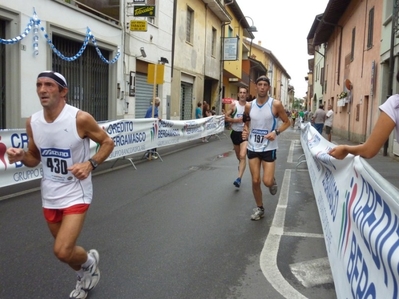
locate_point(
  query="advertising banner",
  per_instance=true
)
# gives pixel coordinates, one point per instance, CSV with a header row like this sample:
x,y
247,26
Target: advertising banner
x,y
359,214
130,136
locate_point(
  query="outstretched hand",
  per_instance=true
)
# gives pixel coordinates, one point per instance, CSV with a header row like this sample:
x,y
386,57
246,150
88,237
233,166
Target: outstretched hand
x,y
339,152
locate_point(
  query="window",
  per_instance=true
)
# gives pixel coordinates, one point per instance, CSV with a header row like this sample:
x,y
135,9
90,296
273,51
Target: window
x,y
189,25
388,9
230,32
370,29
106,9
87,77
213,50
353,44
152,19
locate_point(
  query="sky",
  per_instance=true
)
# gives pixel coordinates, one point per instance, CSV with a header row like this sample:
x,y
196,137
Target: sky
x,y
283,27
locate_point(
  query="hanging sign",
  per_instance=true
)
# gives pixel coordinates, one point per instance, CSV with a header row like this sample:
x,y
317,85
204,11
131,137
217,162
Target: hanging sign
x,y
230,48
144,11
138,25
155,73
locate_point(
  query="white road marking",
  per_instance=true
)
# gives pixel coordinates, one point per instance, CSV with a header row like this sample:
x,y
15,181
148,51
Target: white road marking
x,y
319,268
290,158
268,256
304,235
313,273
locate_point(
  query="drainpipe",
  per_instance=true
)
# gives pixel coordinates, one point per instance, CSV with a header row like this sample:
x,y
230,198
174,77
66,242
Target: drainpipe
x,y
173,39
339,68
222,30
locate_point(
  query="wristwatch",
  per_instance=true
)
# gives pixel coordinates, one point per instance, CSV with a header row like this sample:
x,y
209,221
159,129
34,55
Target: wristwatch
x,y
93,163
277,132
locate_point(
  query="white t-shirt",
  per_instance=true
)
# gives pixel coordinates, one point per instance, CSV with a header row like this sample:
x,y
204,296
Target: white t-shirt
x,y
329,118
391,108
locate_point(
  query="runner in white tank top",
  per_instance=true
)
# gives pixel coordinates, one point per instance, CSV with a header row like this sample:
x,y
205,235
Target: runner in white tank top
x,y
261,130
262,123
234,116
60,188
58,136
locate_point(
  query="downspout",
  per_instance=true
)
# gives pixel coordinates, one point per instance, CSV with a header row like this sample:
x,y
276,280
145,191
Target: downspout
x,y
173,39
209,101
339,67
222,35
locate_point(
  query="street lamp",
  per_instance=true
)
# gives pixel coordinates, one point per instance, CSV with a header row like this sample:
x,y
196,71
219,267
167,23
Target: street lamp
x,y
251,28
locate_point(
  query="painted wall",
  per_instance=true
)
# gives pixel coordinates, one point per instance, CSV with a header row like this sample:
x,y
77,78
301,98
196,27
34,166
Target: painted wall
x,y
26,66
355,119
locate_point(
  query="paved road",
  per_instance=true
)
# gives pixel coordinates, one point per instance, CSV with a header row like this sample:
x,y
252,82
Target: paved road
x,y
178,229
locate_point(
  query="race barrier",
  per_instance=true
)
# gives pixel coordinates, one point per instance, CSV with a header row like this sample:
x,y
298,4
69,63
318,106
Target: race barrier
x,y
130,136
359,214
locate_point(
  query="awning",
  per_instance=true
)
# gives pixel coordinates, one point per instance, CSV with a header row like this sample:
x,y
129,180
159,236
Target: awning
x,y
227,100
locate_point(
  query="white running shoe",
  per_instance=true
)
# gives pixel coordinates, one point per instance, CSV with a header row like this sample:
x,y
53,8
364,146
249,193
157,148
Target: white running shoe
x,y
259,213
92,274
90,279
79,292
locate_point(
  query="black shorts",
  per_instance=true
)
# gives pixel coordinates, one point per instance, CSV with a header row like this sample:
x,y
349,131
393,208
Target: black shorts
x,y
236,137
328,130
269,156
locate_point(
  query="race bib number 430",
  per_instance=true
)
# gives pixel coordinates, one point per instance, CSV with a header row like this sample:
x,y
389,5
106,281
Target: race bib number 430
x,y
55,164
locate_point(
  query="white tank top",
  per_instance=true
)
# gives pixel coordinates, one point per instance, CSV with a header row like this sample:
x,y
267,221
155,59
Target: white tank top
x,y
239,111
262,122
60,147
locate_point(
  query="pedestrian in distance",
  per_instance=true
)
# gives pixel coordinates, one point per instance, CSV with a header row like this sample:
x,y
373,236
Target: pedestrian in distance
x,y
262,131
59,137
386,122
234,116
198,111
198,115
329,122
202,112
301,117
319,117
293,117
152,153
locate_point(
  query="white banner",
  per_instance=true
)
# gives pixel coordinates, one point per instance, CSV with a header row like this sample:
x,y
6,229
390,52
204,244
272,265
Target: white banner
x,y
359,214
130,136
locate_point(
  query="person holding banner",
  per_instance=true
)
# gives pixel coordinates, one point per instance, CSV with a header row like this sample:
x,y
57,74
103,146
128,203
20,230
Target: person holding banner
x,y
149,114
329,122
59,137
386,122
261,130
201,112
234,117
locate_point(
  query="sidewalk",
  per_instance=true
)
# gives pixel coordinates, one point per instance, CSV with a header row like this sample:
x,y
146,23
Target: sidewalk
x,y
386,166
